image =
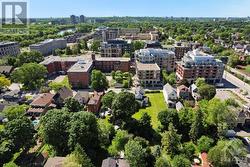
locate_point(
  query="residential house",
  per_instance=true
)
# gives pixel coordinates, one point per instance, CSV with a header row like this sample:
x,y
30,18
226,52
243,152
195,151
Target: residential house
x,y
82,97
112,162
94,103
6,70
179,106
13,95
170,95
239,47
55,162
140,96
61,95
194,92
183,92
41,105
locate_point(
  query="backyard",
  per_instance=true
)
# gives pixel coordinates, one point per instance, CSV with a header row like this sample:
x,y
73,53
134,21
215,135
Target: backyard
x,y
157,104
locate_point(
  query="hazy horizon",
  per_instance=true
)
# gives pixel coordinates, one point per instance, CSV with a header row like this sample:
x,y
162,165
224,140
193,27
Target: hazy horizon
x,y
139,8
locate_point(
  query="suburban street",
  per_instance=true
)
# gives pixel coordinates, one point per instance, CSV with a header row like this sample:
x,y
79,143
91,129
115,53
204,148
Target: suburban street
x,y
236,85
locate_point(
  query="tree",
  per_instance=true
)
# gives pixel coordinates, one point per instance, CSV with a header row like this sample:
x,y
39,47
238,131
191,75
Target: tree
x,y
200,81
107,99
135,154
204,144
20,131
171,141
29,57
225,153
106,132
168,116
233,60
118,143
98,81
124,106
68,51
31,75
13,112
181,161
53,128
137,45
84,45
6,151
83,130
189,150
95,45
4,82
207,91
162,162
10,164
72,105
126,54
197,126
78,158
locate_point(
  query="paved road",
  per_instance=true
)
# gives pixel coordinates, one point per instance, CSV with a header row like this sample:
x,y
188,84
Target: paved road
x,y
236,84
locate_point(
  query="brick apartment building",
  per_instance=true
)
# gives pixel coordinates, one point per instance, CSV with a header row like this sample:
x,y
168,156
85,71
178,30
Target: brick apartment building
x,y
115,48
109,64
48,46
148,74
79,74
9,49
180,50
165,59
55,64
79,68
196,64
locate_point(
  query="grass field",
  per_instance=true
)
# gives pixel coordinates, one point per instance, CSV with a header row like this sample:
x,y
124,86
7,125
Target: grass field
x,y
157,104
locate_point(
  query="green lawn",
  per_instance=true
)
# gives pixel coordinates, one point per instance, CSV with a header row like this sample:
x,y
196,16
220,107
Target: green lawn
x,y
157,104
247,69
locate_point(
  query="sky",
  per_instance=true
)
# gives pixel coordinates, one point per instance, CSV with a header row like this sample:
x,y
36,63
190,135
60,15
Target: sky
x,y
162,8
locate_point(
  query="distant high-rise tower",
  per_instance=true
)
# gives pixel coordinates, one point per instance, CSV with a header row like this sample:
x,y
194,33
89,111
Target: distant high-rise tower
x,y
73,19
82,19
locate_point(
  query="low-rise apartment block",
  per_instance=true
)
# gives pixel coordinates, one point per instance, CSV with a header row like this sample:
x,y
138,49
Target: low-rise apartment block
x,y
79,74
48,46
148,74
9,49
196,64
165,59
115,48
181,49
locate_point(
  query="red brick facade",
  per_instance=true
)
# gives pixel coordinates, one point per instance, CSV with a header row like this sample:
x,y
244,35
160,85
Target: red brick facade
x,y
79,79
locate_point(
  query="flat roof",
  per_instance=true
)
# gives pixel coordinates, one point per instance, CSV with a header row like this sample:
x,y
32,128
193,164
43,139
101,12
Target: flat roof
x,y
51,59
147,66
122,59
81,66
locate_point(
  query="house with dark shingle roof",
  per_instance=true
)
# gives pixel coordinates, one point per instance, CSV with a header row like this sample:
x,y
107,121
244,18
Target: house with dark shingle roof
x,y
61,95
41,105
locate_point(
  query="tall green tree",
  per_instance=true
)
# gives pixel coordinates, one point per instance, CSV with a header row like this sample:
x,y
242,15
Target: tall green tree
x,y
108,99
31,75
72,105
119,142
135,154
124,106
171,141
21,132
53,128
98,81
13,112
83,130
197,127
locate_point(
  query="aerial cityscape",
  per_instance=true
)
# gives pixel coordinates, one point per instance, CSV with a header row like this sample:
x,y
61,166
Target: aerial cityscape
x,y
122,83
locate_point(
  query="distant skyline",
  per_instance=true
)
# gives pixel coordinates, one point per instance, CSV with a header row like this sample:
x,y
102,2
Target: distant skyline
x,y
158,8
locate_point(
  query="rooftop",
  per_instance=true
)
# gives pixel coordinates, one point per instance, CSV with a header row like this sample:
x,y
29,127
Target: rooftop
x,y
121,59
147,67
47,41
7,43
81,66
52,59
42,100
154,52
